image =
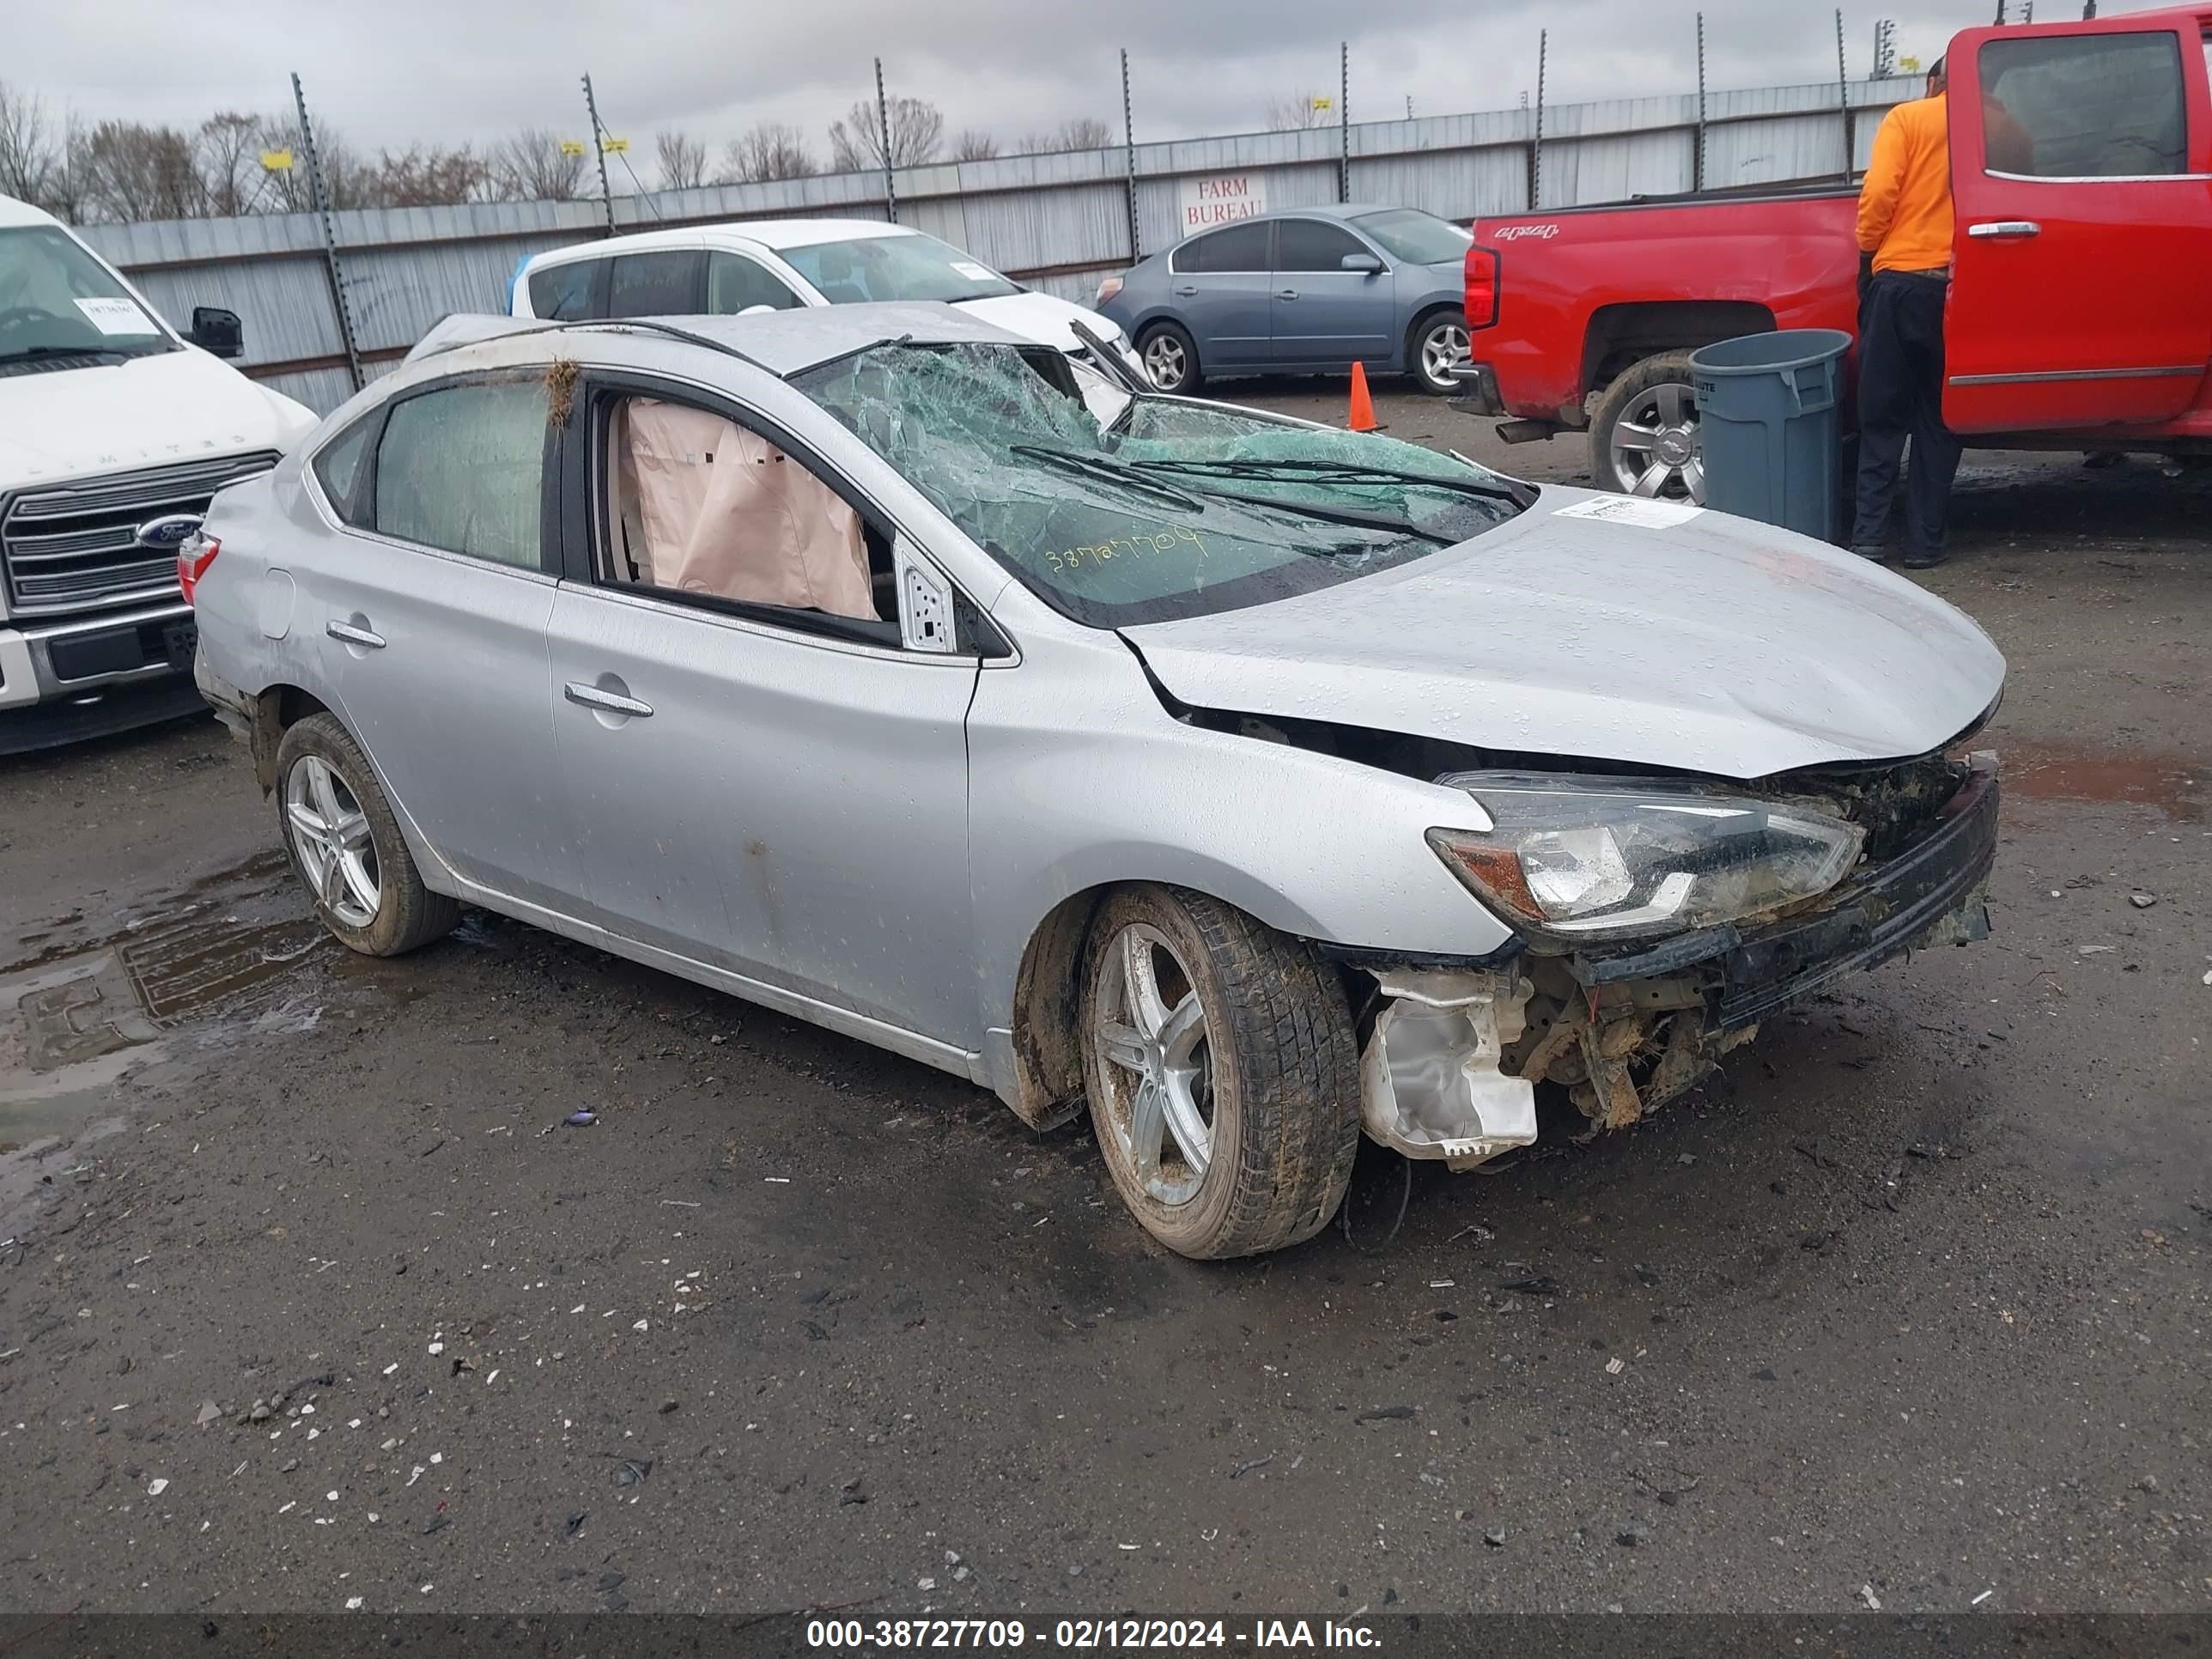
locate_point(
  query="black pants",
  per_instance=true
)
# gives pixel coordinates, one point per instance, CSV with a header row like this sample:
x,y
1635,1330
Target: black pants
x,y
1901,396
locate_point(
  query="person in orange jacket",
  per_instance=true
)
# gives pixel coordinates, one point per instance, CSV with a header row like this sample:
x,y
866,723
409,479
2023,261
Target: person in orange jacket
x,y
1905,225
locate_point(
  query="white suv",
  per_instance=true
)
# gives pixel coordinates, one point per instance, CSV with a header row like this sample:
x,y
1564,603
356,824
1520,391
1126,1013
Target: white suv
x,y
772,265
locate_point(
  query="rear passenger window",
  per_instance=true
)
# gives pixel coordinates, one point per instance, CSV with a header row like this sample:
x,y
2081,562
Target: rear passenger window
x,y
2085,106
666,284
562,294
1240,247
463,468
339,470
735,284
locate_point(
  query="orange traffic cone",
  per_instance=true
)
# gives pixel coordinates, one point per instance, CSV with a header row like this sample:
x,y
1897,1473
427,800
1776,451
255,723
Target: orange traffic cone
x,y
1362,418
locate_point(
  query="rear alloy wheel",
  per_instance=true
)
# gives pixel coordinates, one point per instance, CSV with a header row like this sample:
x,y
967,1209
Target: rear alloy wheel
x,y
1170,358
1643,437
1223,1073
346,846
1440,345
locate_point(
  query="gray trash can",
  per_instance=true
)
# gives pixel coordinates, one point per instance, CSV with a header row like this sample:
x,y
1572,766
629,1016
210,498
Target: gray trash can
x,y
1769,421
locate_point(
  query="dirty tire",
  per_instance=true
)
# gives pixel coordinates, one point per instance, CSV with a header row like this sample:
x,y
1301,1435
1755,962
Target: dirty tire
x,y
1170,359
1666,368
409,916
1285,1064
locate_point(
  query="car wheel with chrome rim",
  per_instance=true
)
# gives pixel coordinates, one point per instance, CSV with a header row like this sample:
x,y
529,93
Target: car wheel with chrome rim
x,y
1643,437
1170,358
1440,345
1223,1073
346,846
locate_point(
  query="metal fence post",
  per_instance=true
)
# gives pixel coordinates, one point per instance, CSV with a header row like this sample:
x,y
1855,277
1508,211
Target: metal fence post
x,y
883,128
1129,148
1698,161
1536,150
1844,98
599,145
338,302
1344,120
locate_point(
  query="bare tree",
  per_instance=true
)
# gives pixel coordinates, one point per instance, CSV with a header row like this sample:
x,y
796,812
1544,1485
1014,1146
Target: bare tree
x,y
1299,111
428,177
974,144
33,157
770,150
530,166
1079,132
130,171
682,161
227,151
917,134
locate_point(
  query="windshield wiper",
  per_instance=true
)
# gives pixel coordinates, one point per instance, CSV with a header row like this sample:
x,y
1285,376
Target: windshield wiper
x,y
1335,472
25,353
1116,472
1389,521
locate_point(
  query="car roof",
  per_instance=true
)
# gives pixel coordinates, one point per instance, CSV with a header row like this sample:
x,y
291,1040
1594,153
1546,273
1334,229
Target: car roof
x,y
784,343
773,233
13,212
1331,210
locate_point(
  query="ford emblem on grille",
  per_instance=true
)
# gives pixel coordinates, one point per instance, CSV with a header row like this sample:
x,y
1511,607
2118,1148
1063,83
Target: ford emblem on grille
x,y
171,530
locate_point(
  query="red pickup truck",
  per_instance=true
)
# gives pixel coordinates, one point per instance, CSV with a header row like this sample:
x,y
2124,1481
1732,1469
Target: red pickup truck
x,y
2080,314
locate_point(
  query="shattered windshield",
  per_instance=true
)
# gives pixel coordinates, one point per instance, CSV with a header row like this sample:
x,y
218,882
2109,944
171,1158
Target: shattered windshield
x,y
1174,509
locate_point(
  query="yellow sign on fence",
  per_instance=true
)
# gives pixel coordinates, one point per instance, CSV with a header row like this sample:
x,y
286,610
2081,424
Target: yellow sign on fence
x,y
1324,103
613,146
570,147
276,160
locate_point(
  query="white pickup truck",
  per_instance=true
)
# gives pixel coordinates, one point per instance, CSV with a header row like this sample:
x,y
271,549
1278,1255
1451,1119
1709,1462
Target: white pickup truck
x,y
114,432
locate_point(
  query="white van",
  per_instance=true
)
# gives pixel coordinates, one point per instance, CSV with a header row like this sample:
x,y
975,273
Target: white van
x,y
114,431
776,264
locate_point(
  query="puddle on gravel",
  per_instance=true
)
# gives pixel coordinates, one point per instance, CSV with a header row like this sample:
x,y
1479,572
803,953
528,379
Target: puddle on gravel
x,y
82,1006
2179,789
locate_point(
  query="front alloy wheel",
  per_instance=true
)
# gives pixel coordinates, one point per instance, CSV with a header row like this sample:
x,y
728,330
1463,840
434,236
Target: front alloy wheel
x,y
1222,1071
1151,1028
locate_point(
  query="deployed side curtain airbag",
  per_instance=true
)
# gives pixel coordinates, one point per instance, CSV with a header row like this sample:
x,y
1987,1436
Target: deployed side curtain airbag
x,y
727,512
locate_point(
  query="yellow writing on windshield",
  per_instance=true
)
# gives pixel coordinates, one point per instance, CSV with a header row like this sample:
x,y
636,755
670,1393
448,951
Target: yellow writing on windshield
x,y
1164,541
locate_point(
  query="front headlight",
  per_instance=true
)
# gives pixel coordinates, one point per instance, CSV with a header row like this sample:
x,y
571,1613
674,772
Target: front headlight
x,y
1605,858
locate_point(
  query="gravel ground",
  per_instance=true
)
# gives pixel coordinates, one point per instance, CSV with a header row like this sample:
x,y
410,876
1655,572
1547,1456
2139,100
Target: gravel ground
x,y
1911,1300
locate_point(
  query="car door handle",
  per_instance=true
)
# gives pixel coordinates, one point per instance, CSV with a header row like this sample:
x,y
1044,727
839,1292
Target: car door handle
x,y
1286,294
1186,293
591,696
1990,228
352,636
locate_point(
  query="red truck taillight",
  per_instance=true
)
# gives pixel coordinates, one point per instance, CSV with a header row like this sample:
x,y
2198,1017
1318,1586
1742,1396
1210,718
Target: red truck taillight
x,y
1481,286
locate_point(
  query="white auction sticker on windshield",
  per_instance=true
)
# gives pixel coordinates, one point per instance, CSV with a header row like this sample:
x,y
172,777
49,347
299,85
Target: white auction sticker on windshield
x,y
1632,510
974,272
115,316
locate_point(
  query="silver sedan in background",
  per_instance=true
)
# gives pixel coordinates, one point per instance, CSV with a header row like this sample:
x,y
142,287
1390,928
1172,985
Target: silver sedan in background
x,y
1253,784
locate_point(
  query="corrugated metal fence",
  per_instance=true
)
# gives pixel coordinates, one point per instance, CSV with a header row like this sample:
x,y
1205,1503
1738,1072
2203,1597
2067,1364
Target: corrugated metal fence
x,y
1057,222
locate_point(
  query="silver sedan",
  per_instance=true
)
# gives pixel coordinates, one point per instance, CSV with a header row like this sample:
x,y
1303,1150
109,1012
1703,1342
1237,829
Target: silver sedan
x,y
1253,784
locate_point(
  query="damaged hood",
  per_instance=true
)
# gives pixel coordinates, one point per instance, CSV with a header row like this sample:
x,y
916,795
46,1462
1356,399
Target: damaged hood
x,y
1657,635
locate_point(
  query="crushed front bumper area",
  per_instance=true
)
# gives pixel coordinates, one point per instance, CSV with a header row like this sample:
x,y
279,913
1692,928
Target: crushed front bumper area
x,y
1451,1060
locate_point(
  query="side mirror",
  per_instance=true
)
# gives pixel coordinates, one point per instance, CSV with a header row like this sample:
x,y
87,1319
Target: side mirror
x,y
218,331
1366,263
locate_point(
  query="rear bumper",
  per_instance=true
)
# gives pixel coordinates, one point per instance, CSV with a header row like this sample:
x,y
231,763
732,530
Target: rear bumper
x,y
1478,390
1930,893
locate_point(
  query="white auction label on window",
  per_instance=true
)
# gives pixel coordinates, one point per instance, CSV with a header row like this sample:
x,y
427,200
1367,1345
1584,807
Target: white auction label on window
x,y
116,316
974,272
1632,510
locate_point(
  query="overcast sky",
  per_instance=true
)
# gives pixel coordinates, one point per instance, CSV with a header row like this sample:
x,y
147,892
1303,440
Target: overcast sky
x,y
454,71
